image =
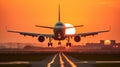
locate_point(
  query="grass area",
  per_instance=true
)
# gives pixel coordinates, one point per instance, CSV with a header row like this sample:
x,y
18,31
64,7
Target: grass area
x,y
97,57
107,65
24,56
15,65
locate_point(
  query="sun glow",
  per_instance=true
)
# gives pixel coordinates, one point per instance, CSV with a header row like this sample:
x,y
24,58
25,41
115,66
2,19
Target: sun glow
x,y
107,42
69,31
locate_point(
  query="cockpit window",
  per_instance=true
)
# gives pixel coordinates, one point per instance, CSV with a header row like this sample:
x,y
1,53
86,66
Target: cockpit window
x,y
59,24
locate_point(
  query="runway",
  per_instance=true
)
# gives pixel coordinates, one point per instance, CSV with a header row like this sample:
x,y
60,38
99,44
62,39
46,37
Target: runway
x,y
60,60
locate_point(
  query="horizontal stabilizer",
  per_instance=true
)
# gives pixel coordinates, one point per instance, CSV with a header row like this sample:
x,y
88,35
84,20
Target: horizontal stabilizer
x,y
44,26
76,26
79,26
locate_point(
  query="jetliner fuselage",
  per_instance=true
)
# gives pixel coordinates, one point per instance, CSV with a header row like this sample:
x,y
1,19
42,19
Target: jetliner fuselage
x,y
59,31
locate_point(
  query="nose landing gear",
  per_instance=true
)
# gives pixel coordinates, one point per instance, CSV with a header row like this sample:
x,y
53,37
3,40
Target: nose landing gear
x,y
59,43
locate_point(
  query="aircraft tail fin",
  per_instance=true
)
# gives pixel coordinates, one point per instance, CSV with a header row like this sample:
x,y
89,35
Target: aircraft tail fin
x,y
75,26
59,17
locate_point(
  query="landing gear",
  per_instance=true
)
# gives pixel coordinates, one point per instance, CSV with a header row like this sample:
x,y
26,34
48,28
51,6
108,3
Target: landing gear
x,y
50,43
68,44
59,43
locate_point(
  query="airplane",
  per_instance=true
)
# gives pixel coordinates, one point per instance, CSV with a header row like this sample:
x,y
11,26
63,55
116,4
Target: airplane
x,y
59,33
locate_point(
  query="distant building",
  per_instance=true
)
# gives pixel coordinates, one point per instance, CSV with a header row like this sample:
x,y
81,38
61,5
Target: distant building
x,y
93,45
112,44
2,47
102,45
117,45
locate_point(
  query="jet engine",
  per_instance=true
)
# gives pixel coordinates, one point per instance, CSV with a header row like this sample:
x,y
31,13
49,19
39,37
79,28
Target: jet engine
x,y
41,38
77,38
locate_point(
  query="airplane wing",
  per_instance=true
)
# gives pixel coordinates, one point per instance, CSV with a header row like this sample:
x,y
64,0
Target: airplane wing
x,y
88,33
44,26
91,33
31,34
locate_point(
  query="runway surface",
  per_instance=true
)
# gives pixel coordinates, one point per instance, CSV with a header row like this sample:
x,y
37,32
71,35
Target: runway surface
x,y
62,60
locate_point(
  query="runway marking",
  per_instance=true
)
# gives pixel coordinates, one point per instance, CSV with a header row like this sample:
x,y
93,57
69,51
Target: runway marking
x,y
49,64
61,61
69,61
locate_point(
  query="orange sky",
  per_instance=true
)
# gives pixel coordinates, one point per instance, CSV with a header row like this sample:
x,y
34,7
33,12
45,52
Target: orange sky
x,y
22,15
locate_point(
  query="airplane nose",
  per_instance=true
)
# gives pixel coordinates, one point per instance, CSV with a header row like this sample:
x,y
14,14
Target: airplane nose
x,y
59,36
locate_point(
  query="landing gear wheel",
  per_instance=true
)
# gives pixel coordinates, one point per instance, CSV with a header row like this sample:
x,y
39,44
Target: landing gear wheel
x,y
68,44
49,44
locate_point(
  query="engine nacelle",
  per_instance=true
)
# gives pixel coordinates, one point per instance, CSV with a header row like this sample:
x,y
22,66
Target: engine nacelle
x,y
41,38
77,38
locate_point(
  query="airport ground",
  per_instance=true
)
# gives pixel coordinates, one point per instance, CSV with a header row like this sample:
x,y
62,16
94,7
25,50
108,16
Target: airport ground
x,y
11,58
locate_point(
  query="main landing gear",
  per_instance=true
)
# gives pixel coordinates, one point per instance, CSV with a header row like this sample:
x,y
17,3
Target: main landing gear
x,y
50,43
68,44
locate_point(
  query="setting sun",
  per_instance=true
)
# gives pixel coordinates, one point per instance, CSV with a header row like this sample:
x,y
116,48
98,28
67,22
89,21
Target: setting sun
x,y
107,42
69,30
